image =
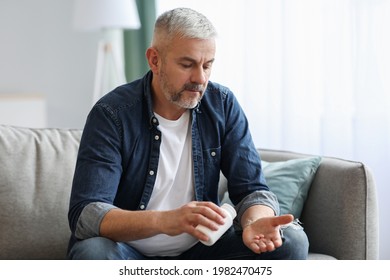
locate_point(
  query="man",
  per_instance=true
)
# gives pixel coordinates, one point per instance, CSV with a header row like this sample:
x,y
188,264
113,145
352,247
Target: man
x,y
150,157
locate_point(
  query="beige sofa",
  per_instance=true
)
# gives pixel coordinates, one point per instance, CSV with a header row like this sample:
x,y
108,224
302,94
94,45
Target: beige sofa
x,y
36,168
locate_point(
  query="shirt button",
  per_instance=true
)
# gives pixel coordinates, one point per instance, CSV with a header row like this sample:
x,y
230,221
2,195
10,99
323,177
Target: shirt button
x,y
142,207
154,120
213,154
156,137
151,172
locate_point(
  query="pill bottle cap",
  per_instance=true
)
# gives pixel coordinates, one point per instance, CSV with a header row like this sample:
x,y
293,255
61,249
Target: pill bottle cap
x,y
230,209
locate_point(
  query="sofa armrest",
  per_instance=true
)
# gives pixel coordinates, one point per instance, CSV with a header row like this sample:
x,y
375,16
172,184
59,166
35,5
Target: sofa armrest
x,y
340,215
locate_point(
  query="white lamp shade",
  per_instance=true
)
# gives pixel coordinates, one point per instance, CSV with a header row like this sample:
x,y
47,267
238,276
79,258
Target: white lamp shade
x,y
103,14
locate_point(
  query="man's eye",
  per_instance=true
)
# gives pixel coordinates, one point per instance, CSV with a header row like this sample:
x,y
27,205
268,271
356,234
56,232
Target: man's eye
x,y
186,65
208,66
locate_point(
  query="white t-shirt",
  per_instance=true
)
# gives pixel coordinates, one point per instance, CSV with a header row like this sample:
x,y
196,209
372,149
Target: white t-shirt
x,y
174,185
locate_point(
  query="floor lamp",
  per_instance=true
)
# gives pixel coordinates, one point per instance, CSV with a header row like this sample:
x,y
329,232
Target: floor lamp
x,y
109,17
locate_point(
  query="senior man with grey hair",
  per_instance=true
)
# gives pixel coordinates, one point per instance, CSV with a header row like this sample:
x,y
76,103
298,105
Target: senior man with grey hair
x,y
150,157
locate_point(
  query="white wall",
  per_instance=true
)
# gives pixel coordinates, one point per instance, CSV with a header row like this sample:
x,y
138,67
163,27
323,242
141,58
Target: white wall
x,y
41,53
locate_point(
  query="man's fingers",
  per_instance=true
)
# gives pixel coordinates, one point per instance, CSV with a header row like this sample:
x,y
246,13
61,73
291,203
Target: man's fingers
x,y
283,219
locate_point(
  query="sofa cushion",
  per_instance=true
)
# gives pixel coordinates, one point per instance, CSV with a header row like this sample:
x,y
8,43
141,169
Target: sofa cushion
x,y
290,181
36,172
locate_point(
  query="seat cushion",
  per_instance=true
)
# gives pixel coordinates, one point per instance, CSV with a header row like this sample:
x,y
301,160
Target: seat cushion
x,y
320,257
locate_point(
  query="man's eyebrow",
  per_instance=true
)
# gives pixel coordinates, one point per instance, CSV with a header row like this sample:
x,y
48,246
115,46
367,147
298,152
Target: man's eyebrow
x,y
190,59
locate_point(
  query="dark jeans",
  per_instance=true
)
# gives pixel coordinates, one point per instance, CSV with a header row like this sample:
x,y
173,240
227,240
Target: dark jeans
x,y
229,246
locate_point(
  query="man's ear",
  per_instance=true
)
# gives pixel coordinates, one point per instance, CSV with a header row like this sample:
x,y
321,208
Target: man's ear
x,y
153,59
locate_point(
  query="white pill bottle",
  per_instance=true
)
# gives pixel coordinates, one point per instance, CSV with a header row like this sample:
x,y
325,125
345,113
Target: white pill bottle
x,y
214,235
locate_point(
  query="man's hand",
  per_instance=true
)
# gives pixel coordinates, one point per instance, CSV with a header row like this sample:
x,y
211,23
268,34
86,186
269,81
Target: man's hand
x,y
186,218
124,225
263,234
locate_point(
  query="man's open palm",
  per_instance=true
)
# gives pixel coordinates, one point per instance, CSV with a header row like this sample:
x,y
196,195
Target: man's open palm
x,y
263,235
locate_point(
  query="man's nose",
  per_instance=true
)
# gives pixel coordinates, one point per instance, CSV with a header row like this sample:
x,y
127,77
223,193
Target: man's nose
x,y
198,76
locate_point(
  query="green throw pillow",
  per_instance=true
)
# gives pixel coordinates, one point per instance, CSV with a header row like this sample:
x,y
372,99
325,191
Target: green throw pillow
x,y
290,181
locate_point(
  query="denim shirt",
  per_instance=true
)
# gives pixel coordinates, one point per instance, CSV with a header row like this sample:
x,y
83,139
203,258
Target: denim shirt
x,y
119,152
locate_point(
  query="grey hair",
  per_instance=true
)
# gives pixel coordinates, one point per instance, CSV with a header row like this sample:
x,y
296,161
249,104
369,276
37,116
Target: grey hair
x,y
184,23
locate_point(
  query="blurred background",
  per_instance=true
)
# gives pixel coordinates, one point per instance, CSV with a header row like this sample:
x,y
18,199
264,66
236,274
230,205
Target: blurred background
x,y
313,76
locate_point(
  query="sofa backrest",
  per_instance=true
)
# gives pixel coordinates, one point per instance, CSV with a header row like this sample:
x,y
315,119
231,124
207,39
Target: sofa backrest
x,y
36,173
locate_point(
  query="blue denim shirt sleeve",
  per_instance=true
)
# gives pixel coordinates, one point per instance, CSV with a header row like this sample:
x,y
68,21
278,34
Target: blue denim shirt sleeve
x,y
98,167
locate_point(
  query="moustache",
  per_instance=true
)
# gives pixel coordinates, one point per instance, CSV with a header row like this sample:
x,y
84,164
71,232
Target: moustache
x,y
194,87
